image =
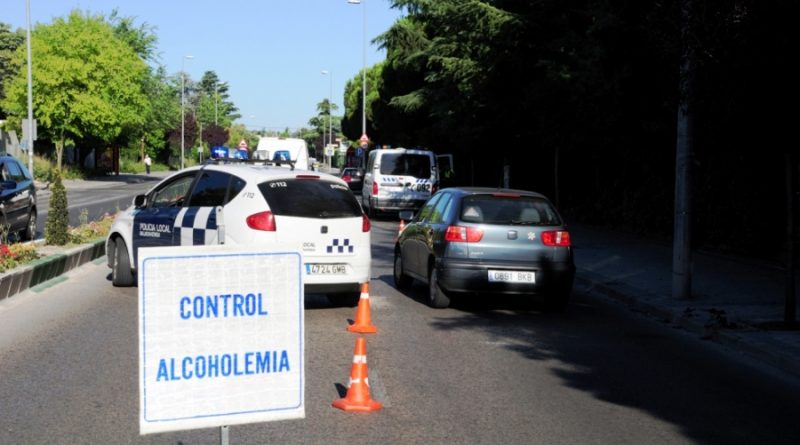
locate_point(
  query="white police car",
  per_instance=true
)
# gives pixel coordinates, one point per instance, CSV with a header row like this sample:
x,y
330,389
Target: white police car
x,y
258,205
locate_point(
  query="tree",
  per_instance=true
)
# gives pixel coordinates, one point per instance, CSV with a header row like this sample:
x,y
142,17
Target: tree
x,y
214,105
215,135
9,42
55,229
86,81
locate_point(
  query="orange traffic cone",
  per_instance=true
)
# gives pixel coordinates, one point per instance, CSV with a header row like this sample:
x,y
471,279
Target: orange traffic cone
x,y
402,227
357,398
363,323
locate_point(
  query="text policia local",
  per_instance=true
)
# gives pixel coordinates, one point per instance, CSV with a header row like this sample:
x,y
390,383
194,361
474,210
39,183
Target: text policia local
x,y
222,365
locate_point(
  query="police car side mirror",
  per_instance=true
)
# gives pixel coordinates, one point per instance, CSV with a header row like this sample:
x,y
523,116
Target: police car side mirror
x,y
139,201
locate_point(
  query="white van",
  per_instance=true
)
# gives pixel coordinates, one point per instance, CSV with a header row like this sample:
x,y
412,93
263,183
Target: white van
x,y
398,179
283,149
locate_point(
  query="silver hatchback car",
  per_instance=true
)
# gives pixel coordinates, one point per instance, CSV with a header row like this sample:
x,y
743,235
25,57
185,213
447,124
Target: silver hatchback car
x,y
484,240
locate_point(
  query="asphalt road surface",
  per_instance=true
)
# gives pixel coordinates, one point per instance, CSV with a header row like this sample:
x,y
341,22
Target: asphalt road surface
x,y
489,372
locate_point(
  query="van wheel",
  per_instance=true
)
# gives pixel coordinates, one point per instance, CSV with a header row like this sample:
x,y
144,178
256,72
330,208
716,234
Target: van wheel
x,y
436,296
370,209
121,273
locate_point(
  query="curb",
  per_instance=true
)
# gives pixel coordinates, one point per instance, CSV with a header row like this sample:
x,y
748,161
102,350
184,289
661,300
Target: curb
x,y
758,348
47,268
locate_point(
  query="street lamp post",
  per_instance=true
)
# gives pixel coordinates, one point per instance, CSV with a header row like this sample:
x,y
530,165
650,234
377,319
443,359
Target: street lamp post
x,y
330,114
363,68
183,120
29,142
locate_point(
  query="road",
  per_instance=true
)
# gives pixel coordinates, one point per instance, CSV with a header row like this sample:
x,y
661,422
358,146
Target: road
x,y
96,197
490,372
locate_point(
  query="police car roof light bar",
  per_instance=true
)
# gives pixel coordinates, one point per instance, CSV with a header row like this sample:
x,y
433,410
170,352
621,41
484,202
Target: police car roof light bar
x,y
275,162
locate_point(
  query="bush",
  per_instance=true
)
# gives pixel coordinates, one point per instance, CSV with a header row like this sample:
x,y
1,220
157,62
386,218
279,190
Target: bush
x,y
44,170
15,255
90,231
55,230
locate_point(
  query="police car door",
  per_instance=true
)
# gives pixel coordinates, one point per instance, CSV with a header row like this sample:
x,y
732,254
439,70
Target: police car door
x,y
153,224
197,223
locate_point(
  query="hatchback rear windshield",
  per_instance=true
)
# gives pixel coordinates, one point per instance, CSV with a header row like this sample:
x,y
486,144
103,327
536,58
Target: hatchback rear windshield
x,y
309,198
508,210
418,166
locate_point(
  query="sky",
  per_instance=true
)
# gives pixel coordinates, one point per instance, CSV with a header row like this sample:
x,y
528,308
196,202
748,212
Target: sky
x,y
271,52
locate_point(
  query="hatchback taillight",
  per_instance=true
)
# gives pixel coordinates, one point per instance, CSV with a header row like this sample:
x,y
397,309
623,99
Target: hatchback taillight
x,y
262,221
458,234
374,189
365,224
556,238
347,178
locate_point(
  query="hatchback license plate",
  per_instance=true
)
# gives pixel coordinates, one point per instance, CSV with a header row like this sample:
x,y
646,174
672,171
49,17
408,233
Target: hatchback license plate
x,y
512,276
326,269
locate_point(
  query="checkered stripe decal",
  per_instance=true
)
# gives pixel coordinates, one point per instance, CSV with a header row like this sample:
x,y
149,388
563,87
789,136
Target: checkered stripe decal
x,y
196,226
394,180
344,247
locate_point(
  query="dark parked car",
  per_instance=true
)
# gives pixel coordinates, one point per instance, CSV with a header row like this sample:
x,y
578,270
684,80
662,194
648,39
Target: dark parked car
x,y
484,240
353,177
17,198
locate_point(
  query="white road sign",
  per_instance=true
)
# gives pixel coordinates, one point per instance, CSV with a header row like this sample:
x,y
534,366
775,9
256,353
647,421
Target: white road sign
x,y
221,337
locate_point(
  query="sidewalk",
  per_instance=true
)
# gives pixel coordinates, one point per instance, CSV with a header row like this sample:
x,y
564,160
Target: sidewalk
x,y
733,302
106,181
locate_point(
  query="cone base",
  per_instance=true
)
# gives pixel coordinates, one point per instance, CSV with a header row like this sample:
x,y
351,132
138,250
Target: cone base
x,y
362,329
346,405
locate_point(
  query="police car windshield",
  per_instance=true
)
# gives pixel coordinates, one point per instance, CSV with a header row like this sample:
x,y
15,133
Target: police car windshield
x,y
310,198
418,166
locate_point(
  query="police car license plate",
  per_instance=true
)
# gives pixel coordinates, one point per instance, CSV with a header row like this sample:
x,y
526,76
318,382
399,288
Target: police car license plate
x,y
326,269
511,276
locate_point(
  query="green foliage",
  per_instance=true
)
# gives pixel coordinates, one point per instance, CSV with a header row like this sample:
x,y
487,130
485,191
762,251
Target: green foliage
x,y
9,42
88,83
45,170
89,231
14,255
55,229
239,132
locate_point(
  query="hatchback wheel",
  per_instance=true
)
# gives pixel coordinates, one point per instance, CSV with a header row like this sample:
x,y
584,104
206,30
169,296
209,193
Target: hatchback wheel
x,y
30,230
121,273
401,280
436,296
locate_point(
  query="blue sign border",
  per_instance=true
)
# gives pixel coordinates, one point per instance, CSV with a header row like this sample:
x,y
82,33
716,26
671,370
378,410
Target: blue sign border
x,y
144,334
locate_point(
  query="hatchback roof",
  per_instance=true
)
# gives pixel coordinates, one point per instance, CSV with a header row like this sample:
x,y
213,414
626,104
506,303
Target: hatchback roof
x,y
490,190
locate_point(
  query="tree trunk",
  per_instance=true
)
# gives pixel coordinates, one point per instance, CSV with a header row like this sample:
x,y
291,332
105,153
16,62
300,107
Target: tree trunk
x,y
59,150
681,248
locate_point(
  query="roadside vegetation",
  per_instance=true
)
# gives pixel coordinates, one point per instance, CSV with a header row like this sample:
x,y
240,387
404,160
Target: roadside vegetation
x,y
14,254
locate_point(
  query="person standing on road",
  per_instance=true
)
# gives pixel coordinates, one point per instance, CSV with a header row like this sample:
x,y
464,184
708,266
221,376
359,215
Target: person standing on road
x,y
147,162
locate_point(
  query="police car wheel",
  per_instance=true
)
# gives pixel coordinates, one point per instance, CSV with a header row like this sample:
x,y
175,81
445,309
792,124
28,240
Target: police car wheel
x,y
349,299
121,273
